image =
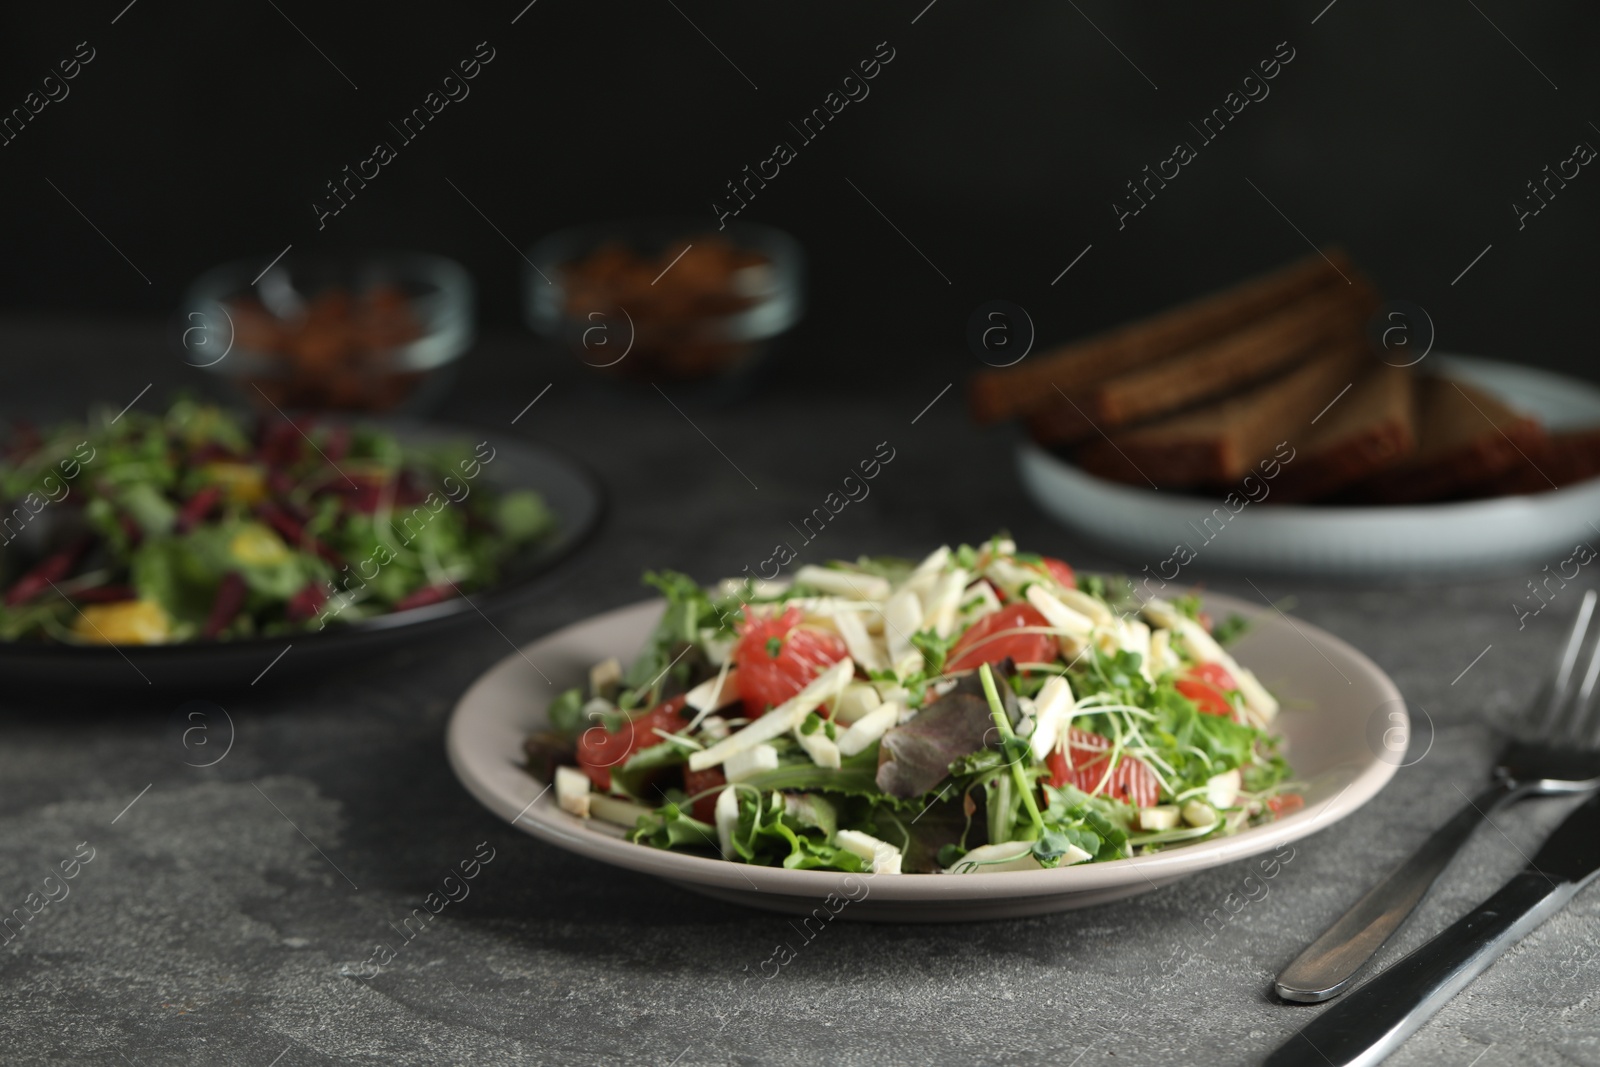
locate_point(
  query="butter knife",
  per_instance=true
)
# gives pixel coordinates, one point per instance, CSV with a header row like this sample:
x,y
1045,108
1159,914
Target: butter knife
x,y
1373,1021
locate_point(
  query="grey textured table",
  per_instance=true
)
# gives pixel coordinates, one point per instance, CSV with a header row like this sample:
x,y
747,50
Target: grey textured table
x,y
220,920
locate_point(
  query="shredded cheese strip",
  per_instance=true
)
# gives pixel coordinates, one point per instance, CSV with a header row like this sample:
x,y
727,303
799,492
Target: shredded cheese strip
x,y
781,719
1161,658
862,648
1136,638
715,692
902,617
852,584
927,572
1260,704
822,749
1077,630
944,602
1084,604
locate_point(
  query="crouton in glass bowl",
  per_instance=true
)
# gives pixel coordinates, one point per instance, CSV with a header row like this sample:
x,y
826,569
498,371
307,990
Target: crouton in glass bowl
x,y
663,299
377,332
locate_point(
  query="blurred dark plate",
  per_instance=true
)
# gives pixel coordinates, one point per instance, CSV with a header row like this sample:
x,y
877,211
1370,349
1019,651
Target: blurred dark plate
x,y
206,668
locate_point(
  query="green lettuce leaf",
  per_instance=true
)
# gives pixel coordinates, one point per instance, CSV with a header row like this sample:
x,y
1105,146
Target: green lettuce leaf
x,y
775,831
566,714
645,766
669,826
855,776
523,516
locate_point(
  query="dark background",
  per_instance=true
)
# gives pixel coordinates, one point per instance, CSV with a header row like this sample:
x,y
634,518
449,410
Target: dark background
x,y
996,141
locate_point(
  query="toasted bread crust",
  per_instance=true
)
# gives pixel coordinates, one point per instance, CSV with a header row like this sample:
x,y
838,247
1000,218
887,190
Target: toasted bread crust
x,y
1563,459
1368,429
995,395
1222,441
1465,436
1208,371
1195,397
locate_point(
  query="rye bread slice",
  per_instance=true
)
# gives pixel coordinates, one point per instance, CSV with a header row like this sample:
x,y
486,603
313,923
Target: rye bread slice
x,y
1371,427
1564,459
1465,437
1222,441
1211,370
999,394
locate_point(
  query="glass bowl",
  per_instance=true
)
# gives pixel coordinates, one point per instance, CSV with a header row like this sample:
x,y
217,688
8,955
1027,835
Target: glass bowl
x,y
361,332
665,299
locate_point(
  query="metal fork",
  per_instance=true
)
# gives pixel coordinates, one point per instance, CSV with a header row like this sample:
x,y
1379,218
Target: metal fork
x,y
1554,755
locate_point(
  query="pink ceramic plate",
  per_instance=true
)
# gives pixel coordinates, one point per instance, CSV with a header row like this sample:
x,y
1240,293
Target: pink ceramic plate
x,y
1344,721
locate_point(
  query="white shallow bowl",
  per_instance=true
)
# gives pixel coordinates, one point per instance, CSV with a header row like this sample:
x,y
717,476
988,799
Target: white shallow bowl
x,y
1344,721
1401,540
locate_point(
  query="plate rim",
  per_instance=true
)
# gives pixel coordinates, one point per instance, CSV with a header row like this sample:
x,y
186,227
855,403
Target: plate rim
x,y
541,818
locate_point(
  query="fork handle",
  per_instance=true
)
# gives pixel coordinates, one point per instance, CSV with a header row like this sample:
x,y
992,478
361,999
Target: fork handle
x,y
1325,968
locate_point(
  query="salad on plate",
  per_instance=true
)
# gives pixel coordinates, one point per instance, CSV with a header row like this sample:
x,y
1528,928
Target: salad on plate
x,y
196,525
981,710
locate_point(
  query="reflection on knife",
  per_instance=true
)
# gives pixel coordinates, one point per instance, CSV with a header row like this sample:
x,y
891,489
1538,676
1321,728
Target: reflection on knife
x,y
1372,1022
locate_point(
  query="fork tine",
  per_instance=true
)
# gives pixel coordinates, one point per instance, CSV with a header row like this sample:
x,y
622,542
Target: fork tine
x,y
1581,731
1553,717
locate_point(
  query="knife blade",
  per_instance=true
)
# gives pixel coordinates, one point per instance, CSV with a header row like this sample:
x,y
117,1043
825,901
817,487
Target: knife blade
x,y
1367,1025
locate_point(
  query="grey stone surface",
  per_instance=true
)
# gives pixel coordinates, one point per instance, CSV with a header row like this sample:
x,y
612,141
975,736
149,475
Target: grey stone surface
x,y
223,913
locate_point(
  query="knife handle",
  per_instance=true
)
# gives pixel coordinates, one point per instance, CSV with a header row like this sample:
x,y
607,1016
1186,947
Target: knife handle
x,y
1372,1022
1328,964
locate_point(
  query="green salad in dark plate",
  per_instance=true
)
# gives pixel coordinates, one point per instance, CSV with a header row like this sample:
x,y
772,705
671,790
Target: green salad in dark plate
x,y
198,524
